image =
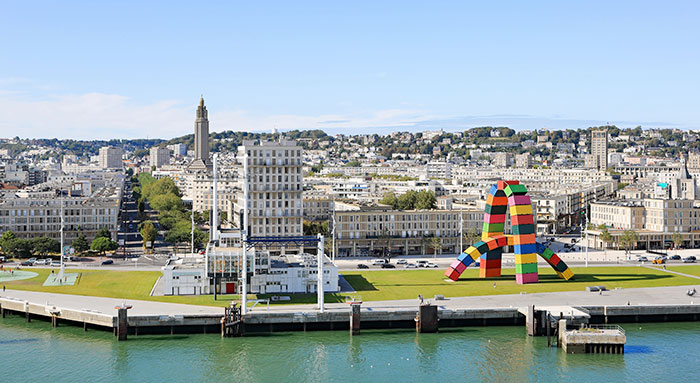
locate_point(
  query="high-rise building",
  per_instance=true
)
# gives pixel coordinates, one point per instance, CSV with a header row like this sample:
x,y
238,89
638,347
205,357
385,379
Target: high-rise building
x,y
501,159
275,188
201,139
178,149
523,161
110,158
159,156
599,149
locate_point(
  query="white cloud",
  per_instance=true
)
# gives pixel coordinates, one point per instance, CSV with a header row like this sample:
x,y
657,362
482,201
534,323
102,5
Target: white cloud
x,y
104,116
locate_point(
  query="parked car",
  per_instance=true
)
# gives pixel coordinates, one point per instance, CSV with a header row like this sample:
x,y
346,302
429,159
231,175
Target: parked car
x,y
676,257
387,266
362,266
377,262
659,260
421,263
642,259
431,265
27,263
410,266
401,262
690,259
56,264
110,262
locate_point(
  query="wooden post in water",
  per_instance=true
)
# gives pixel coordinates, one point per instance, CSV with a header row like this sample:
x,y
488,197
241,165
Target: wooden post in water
x,y
355,318
427,319
122,322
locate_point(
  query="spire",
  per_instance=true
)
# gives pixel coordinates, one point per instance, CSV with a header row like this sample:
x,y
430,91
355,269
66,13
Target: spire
x,y
201,101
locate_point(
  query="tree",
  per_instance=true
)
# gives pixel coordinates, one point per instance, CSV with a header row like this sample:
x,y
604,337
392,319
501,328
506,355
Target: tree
x,y
628,240
148,232
436,243
165,202
45,245
103,232
206,214
80,244
223,216
4,240
18,247
182,233
102,245
606,237
677,240
389,199
425,200
472,235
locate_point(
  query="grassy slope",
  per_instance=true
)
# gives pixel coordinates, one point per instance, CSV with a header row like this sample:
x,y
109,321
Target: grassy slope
x,y
373,285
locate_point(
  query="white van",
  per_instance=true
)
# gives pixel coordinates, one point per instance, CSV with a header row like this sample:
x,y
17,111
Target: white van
x,y
378,262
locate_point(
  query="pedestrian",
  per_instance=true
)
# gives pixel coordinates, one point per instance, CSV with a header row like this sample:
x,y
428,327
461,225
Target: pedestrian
x,y
494,285
420,298
664,267
600,292
3,288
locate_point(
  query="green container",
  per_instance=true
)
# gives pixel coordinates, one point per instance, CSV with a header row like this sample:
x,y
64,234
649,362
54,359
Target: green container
x,y
525,268
515,189
493,227
547,253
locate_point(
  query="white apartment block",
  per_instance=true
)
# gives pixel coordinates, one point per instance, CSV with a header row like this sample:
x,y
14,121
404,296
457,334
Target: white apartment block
x,y
110,158
275,188
159,157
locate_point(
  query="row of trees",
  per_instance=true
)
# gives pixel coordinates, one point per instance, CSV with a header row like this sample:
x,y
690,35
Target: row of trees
x,y
42,246
411,200
164,196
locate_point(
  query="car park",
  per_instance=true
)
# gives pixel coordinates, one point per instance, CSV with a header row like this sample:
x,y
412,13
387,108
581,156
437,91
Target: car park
x,y
362,266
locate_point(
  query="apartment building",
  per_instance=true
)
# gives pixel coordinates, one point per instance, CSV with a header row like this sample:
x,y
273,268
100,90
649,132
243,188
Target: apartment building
x,y
275,188
110,158
159,157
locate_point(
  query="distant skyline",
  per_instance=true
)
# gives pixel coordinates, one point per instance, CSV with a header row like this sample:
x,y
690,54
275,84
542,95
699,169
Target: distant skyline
x,y
98,70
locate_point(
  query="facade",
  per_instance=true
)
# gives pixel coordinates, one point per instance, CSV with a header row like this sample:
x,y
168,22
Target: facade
x,y
367,231
599,148
159,157
110,158
203,190
33,214
275,188
523,161
501,159
201,160
178,149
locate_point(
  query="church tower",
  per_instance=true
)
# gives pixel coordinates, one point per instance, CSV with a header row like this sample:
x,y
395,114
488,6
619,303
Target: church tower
x,y
201,139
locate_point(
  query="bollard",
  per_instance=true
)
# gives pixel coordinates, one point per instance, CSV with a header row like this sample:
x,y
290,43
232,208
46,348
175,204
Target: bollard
x,y
122,324
355,319
427,319
561,331
2,311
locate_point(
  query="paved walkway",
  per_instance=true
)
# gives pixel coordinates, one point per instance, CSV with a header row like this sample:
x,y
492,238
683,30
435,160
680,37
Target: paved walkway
x,y
640,296
106,305
672,272
674,295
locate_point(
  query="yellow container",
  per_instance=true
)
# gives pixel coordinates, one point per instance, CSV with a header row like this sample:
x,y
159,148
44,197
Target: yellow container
x,y
520,210
526,258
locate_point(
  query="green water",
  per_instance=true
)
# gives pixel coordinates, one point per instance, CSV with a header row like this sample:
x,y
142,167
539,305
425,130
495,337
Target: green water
x,y
660,352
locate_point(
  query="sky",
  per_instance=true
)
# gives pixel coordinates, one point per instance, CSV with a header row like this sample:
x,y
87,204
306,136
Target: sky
x,y
99,70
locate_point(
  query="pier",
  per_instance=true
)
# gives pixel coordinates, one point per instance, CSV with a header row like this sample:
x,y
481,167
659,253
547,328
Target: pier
x,y
147,317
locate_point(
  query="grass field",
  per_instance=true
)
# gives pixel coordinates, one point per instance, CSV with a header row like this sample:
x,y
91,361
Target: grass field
x,y
373,285
690,270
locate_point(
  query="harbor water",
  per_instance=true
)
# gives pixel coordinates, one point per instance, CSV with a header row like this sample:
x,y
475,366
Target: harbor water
x,y
36,352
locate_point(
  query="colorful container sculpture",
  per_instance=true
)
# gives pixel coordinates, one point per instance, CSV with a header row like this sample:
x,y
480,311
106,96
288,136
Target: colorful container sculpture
x,y
508,196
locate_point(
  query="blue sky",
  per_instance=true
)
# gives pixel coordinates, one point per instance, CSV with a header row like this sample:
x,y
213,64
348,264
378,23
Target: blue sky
x,y
136,69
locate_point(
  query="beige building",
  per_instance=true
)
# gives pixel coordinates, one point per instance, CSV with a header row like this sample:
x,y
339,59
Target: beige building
x,y
599,149
159,157
523,161
373,231
203,190
275,188
501,159
110,158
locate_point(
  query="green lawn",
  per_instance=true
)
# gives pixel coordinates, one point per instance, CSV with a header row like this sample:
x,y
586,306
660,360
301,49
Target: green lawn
x,y
690,270
374,285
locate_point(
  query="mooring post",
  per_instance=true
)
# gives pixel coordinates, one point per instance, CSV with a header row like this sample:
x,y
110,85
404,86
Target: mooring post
x,y
561,331
355,318
427,319
122,322
548,325
26,312
2,311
